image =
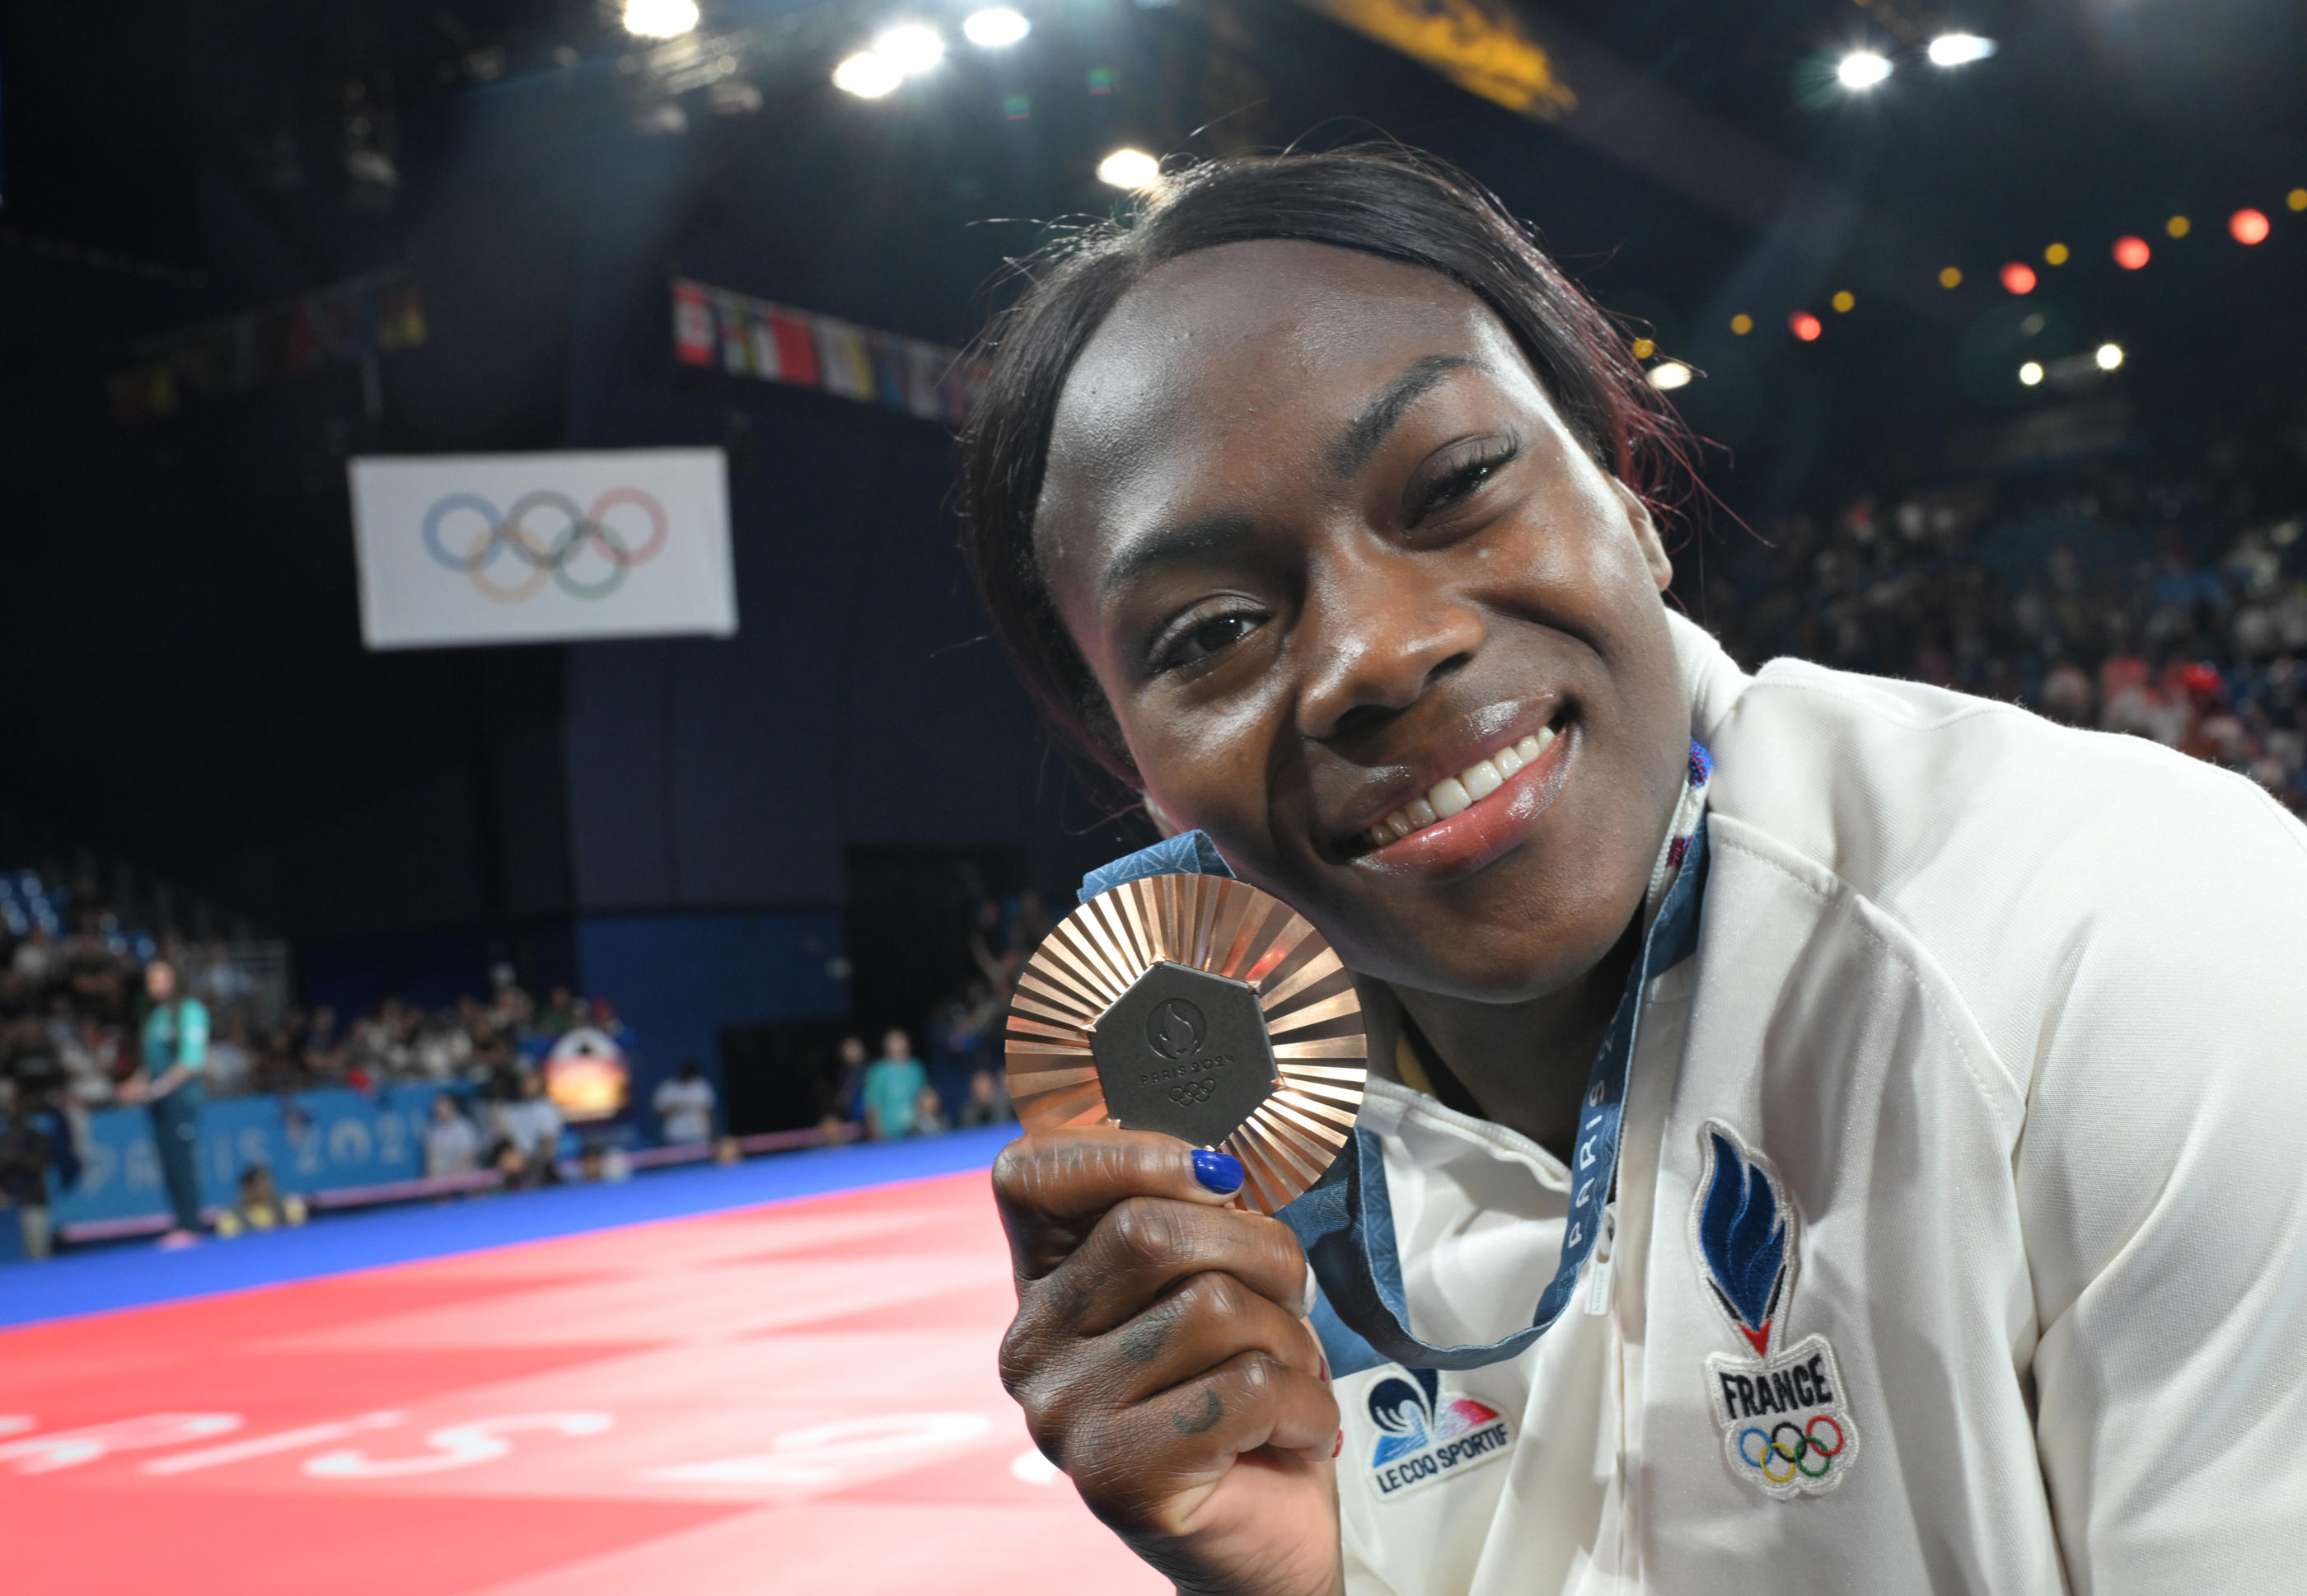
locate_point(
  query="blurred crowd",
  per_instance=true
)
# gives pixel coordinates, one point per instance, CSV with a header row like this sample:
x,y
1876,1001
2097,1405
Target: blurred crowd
x,y
2159,591
73,1001
71,1004
959,1085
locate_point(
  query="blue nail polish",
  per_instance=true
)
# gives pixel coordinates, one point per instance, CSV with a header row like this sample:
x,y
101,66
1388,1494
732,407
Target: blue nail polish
x,y
1220,1171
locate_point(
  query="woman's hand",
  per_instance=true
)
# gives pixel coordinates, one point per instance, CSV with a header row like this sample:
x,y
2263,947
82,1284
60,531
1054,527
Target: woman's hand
x,y
1162,1357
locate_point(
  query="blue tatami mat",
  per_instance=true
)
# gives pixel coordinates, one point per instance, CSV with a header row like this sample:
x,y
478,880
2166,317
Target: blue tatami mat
x,y
135,1273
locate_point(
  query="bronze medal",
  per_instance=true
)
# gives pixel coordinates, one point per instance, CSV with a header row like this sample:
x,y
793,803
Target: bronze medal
x,y
1201,1008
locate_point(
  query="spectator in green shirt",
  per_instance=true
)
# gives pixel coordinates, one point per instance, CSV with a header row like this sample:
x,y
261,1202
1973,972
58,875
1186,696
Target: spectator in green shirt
x,y
893,1087
169,1081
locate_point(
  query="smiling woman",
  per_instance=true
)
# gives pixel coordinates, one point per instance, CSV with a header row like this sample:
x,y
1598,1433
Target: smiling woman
x,y
1318,507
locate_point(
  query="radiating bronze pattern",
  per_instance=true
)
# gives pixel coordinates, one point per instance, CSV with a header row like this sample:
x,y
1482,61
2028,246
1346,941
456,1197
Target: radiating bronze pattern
x,y
1312,1014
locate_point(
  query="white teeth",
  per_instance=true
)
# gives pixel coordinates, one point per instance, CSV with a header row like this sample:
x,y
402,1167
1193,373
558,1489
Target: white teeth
x,y
1453,795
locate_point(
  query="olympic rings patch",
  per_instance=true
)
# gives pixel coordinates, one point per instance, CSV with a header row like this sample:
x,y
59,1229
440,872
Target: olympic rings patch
x,y
1770,1453
586,552
1786,1420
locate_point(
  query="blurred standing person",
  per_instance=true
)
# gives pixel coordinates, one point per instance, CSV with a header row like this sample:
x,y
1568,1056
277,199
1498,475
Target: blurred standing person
x,y
988,1102
929,1112
849,1095
168,1082
684,1105
452,1146
531,1125
893,1089
26,1149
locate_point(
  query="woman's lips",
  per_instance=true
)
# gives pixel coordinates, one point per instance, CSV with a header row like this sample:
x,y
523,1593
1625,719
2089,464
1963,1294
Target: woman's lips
x,y
1486,827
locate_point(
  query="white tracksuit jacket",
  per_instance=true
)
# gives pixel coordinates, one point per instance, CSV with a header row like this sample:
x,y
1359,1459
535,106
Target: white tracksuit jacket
x,y
2001,1029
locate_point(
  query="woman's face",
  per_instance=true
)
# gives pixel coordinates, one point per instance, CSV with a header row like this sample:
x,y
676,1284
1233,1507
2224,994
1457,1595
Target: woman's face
x,y
1327,545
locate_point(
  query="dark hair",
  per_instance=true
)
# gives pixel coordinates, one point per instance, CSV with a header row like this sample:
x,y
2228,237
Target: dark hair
x,y
1379,200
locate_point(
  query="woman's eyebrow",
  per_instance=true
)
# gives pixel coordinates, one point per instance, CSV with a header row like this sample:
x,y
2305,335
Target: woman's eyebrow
x,y
1352,448
1180,543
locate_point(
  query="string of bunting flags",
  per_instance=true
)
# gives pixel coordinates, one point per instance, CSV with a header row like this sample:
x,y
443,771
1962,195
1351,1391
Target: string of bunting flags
x,y
376,313
718,328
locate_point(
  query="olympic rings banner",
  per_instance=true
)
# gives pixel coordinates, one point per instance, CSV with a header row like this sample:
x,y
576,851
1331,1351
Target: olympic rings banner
x,y
531,548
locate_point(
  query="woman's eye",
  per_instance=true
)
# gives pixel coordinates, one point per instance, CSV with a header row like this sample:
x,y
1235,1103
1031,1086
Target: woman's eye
x,y
1205,637
1461,483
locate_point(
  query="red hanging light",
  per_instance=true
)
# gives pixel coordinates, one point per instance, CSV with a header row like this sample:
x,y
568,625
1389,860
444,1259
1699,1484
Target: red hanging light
x,y
2018,278
1805,326
2130,252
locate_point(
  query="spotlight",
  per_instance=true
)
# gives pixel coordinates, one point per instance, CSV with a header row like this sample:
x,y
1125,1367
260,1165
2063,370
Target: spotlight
x,y
1951,276
995,28
1959,49
2178,227
2056,254
1805,326
2109,356
1845,300
2297,199
2130,253
1129,168
910,47
1669,374
2031,372
866,75
2250,227
2018,278
660,19
1862,69
1742,324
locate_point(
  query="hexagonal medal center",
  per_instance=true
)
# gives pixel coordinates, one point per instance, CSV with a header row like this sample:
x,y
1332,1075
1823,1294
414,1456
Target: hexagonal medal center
x,y
1185,1052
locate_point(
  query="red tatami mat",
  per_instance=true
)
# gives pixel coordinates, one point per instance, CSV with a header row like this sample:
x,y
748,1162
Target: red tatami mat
x,y
798,1398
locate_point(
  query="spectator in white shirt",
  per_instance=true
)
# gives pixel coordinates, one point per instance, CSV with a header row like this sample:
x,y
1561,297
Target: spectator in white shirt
x,y
531,1123
684,1105
452,1146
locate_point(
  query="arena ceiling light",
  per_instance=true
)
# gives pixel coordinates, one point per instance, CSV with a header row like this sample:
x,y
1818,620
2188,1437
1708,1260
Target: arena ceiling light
x,y
2109,356
2031,373
1959,49
1129,168
660,19
995,28
1669,374
868,75
1862,69
910,47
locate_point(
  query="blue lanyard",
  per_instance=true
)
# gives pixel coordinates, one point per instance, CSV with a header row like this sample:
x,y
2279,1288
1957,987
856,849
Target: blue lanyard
x,y
1345,1224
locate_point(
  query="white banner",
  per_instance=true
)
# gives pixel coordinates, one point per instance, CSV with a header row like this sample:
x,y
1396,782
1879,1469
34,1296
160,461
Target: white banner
x,y
533,548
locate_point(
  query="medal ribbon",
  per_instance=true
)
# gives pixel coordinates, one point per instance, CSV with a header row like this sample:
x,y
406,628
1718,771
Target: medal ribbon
x,y
1346,1225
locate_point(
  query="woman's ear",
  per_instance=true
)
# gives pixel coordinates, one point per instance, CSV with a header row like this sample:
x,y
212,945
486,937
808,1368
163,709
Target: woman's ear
x,y
1646,533
1163,823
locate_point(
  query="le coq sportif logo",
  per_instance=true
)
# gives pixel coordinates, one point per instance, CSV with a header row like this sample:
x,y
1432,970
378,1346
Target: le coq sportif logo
x,y
546,536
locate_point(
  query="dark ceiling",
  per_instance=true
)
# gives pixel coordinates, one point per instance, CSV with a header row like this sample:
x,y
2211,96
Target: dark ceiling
x,y
163,161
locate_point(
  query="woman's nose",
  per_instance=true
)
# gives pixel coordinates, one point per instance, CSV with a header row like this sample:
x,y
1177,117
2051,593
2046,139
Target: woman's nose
x,y
1376,632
